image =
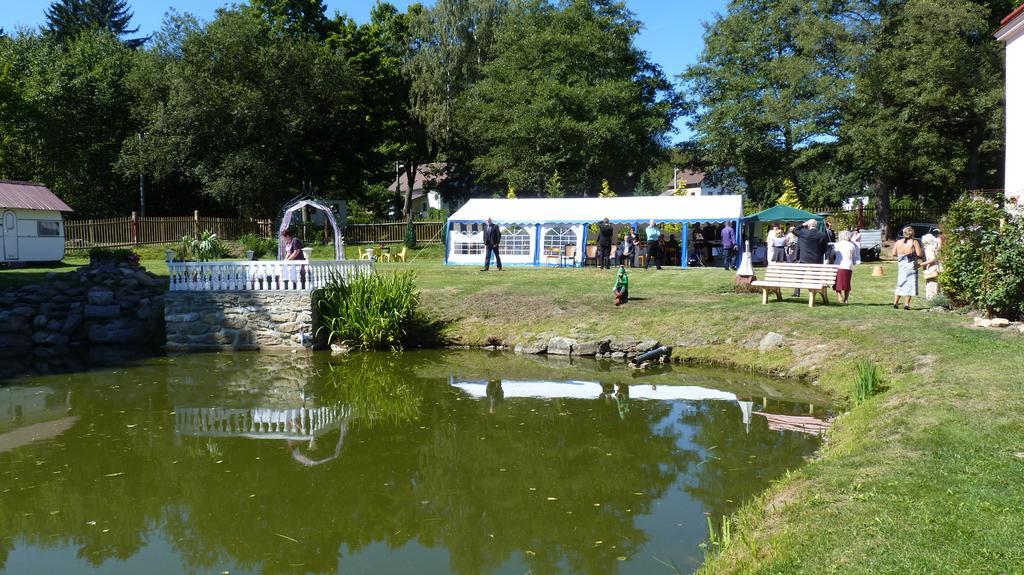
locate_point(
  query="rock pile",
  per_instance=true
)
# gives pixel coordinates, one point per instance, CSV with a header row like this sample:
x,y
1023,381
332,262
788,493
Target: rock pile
x,y
602,348
96,304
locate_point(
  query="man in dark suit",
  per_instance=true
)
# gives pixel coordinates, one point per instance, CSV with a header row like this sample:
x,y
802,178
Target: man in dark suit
x,y
604,244
812,245
492,237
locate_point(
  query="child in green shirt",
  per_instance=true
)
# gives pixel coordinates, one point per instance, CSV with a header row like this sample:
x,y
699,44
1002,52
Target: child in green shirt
x,y
621,286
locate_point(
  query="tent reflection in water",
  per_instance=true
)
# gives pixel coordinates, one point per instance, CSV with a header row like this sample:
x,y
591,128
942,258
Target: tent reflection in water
x,y
535,230
594,390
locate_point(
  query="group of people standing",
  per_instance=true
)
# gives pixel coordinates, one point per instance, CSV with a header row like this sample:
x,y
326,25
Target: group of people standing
x,y
630,246
811,245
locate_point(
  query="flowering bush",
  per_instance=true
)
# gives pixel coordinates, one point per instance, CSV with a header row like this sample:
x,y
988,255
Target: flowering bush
x,y
983,258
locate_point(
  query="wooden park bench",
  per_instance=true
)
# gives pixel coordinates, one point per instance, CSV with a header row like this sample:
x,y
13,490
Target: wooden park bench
x,y
811,277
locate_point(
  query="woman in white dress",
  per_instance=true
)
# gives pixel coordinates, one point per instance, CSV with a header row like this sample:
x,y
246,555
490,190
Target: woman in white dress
x,y
845,251
931,243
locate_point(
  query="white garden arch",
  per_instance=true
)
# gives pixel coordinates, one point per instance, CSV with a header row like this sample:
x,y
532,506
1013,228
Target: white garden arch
x,y
286,220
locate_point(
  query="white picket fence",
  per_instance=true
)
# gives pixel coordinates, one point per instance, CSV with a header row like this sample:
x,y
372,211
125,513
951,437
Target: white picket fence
x,y
262,275
297,423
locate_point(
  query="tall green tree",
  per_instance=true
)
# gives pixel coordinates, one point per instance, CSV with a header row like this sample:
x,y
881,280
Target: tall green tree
x,y
296,16
451,42
249,113
925,115
766,89
568,91
66,19
378,50
64,113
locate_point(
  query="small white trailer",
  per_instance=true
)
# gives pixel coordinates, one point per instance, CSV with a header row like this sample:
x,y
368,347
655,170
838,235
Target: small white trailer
x,y
31,223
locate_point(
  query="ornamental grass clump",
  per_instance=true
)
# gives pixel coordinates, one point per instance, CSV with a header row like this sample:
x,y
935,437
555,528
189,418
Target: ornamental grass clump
x,y
869,381
374,311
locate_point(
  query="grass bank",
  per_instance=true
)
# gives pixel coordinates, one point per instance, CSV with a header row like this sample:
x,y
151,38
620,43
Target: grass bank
x,y
923,478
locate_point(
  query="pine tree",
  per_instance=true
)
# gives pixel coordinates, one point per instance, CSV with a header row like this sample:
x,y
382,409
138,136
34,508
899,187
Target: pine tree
x,y
66,19
554,187
789,196
511,192
606,190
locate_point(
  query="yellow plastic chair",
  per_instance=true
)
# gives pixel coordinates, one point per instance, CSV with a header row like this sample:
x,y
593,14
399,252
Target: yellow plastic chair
x,y
400,255
364,254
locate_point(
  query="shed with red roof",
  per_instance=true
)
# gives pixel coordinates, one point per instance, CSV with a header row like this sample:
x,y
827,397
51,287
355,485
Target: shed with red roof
x,y
31,223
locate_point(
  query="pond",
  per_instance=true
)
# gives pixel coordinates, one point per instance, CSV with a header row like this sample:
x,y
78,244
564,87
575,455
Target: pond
x,y
423,462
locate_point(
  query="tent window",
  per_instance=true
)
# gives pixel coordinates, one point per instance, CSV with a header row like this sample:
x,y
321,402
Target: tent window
x,y
515,241
467,244
556,238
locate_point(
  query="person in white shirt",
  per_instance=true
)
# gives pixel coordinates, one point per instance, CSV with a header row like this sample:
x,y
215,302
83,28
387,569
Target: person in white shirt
x,y
776,244
845,251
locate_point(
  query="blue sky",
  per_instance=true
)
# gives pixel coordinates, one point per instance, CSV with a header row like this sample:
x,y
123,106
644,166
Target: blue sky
x,y
673,35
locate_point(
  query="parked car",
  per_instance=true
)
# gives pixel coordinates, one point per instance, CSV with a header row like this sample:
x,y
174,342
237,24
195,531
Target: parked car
x,y
920,229
870,245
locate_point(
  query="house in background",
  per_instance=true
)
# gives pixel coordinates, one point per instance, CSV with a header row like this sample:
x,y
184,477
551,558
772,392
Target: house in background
x,y
1012,32
695,183
31,223
426,189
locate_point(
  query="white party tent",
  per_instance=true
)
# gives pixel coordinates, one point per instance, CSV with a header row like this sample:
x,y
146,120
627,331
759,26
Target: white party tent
x,y
533,227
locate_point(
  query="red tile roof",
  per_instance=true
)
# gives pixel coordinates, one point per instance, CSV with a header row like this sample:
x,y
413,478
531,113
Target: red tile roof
x,y
1014,14
29,196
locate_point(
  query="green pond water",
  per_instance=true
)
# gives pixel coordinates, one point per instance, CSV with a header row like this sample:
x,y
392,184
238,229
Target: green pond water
x,y
423,462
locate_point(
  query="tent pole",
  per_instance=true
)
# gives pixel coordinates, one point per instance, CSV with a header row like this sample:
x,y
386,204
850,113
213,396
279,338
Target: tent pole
x,y
684,250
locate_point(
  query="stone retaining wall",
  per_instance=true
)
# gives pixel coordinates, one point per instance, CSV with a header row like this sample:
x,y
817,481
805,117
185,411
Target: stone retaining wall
x,y
200,321
98,304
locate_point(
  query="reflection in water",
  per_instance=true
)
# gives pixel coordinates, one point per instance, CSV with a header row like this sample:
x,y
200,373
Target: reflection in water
x,y
423,462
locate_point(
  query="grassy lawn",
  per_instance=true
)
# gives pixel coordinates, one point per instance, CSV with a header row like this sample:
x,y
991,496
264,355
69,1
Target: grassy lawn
x,y
923,478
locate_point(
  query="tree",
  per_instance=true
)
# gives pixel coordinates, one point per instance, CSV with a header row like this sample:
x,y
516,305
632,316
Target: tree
x,y
64,113
511,192
568,91
248,114
451,43
66,19
379,50
765,89
926,106
296,16
554,187
606,190
789,195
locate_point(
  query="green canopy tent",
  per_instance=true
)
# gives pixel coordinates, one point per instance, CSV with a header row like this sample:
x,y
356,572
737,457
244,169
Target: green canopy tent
x,y
780,213
784,213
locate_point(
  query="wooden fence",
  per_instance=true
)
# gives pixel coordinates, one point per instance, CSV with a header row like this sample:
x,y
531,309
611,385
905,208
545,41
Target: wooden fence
x,y
865,217
392,232
134,231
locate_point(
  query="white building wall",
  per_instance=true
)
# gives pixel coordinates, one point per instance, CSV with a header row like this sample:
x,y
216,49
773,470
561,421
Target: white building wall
x,y
1013,35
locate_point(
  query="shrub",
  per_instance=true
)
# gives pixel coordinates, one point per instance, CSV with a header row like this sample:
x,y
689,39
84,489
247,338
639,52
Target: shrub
x,y
368,312
259,246
207,247
113,256
983,258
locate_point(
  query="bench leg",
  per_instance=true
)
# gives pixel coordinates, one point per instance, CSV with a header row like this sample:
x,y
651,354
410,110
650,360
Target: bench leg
x,y
778,294
824,295
764,296
810,297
